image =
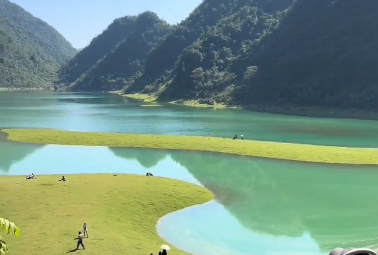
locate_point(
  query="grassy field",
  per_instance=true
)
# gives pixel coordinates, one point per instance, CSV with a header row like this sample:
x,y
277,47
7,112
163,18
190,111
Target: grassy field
x,y
191,103
195,103
142,97
121,212
298,152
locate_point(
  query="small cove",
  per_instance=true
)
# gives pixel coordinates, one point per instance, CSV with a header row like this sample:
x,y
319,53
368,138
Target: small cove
x,y
257,210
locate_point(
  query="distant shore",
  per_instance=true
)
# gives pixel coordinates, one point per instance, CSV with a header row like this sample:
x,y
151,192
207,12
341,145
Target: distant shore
x,y
289,110
315,112
2,89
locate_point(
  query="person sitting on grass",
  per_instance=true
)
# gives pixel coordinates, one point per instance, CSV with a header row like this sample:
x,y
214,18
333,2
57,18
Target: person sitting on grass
x,y
30,177
80,239
63,179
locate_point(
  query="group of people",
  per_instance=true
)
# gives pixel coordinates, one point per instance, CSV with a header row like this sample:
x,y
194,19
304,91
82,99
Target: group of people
x,y
163,252
236,137
81,236
149,174
32,177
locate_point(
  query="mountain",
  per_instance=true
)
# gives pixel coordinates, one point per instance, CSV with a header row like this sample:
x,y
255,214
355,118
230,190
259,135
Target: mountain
x,y
203,69
128,58
301,53
322,54
31,51
253,53
100,46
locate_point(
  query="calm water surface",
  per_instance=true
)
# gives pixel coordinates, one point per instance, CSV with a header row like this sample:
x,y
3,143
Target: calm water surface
x,y
262,206
111,113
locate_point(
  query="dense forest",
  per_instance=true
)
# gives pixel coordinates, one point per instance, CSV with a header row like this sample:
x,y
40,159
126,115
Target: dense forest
x,y
254,53
100,46
127,59
31,51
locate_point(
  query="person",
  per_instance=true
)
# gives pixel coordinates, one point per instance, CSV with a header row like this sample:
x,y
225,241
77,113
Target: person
x,y
30,177
242,137
85,229
63,179
80,238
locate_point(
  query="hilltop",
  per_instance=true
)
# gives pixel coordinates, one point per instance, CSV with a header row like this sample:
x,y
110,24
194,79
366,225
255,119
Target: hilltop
x,y
255,53
127,59
31,51
100,46
305,53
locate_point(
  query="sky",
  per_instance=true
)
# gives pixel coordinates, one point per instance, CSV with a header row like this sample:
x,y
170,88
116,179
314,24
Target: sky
x,y
81,20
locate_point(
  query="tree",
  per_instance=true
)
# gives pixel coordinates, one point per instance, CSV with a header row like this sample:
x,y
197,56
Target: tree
x,y
9,227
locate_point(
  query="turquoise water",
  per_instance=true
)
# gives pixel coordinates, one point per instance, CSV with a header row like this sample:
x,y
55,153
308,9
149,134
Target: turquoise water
x,y
100,112
261,206
220,236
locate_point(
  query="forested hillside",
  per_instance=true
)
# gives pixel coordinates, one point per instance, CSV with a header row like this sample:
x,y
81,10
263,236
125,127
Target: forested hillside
x,y
101,45
265,53
31,51
322,54
128,58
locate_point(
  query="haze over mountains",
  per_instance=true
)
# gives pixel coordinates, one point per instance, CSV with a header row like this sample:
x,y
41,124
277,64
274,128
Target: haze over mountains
x,y
279,53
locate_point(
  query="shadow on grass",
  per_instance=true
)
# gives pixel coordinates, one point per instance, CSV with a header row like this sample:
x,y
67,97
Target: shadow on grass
x,y
73,250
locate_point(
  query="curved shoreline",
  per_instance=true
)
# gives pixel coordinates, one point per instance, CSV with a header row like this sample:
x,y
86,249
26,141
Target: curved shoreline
x,y
272,150
174,212
184,195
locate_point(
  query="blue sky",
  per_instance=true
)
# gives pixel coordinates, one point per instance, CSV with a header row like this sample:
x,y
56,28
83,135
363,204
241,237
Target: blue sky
x,y
79,21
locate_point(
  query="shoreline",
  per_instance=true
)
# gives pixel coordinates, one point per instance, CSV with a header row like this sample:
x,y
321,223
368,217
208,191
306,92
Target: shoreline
x,y
249,148
97,191
2,89
310,112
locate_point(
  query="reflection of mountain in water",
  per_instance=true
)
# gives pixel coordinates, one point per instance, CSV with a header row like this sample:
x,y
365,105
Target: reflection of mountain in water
x,y
11,153
91,98
337,205
147,158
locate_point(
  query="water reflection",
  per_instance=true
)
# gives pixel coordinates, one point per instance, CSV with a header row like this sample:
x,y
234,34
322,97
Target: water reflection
x,y
11,153
336,204
261,206
147,159
221,237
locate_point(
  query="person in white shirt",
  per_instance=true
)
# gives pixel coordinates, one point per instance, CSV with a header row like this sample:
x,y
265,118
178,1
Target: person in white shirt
x,y
85,229
80,239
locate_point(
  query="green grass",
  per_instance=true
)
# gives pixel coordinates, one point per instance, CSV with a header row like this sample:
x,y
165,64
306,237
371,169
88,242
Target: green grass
x,y
191,103
143,97
298,152
195,103
121,212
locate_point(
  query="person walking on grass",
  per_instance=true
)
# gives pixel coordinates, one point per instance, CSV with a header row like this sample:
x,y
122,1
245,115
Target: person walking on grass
x,y
80,239
85,229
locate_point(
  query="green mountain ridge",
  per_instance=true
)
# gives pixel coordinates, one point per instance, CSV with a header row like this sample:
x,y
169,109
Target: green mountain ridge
x,y
259,53
31,51
127,59
115,33
298,53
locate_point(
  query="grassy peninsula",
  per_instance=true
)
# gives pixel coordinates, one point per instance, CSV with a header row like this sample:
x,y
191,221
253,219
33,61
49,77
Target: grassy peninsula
x,y
121,212
297,152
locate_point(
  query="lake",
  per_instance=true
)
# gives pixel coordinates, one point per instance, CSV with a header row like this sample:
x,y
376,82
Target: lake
x,y
262,206
102,112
